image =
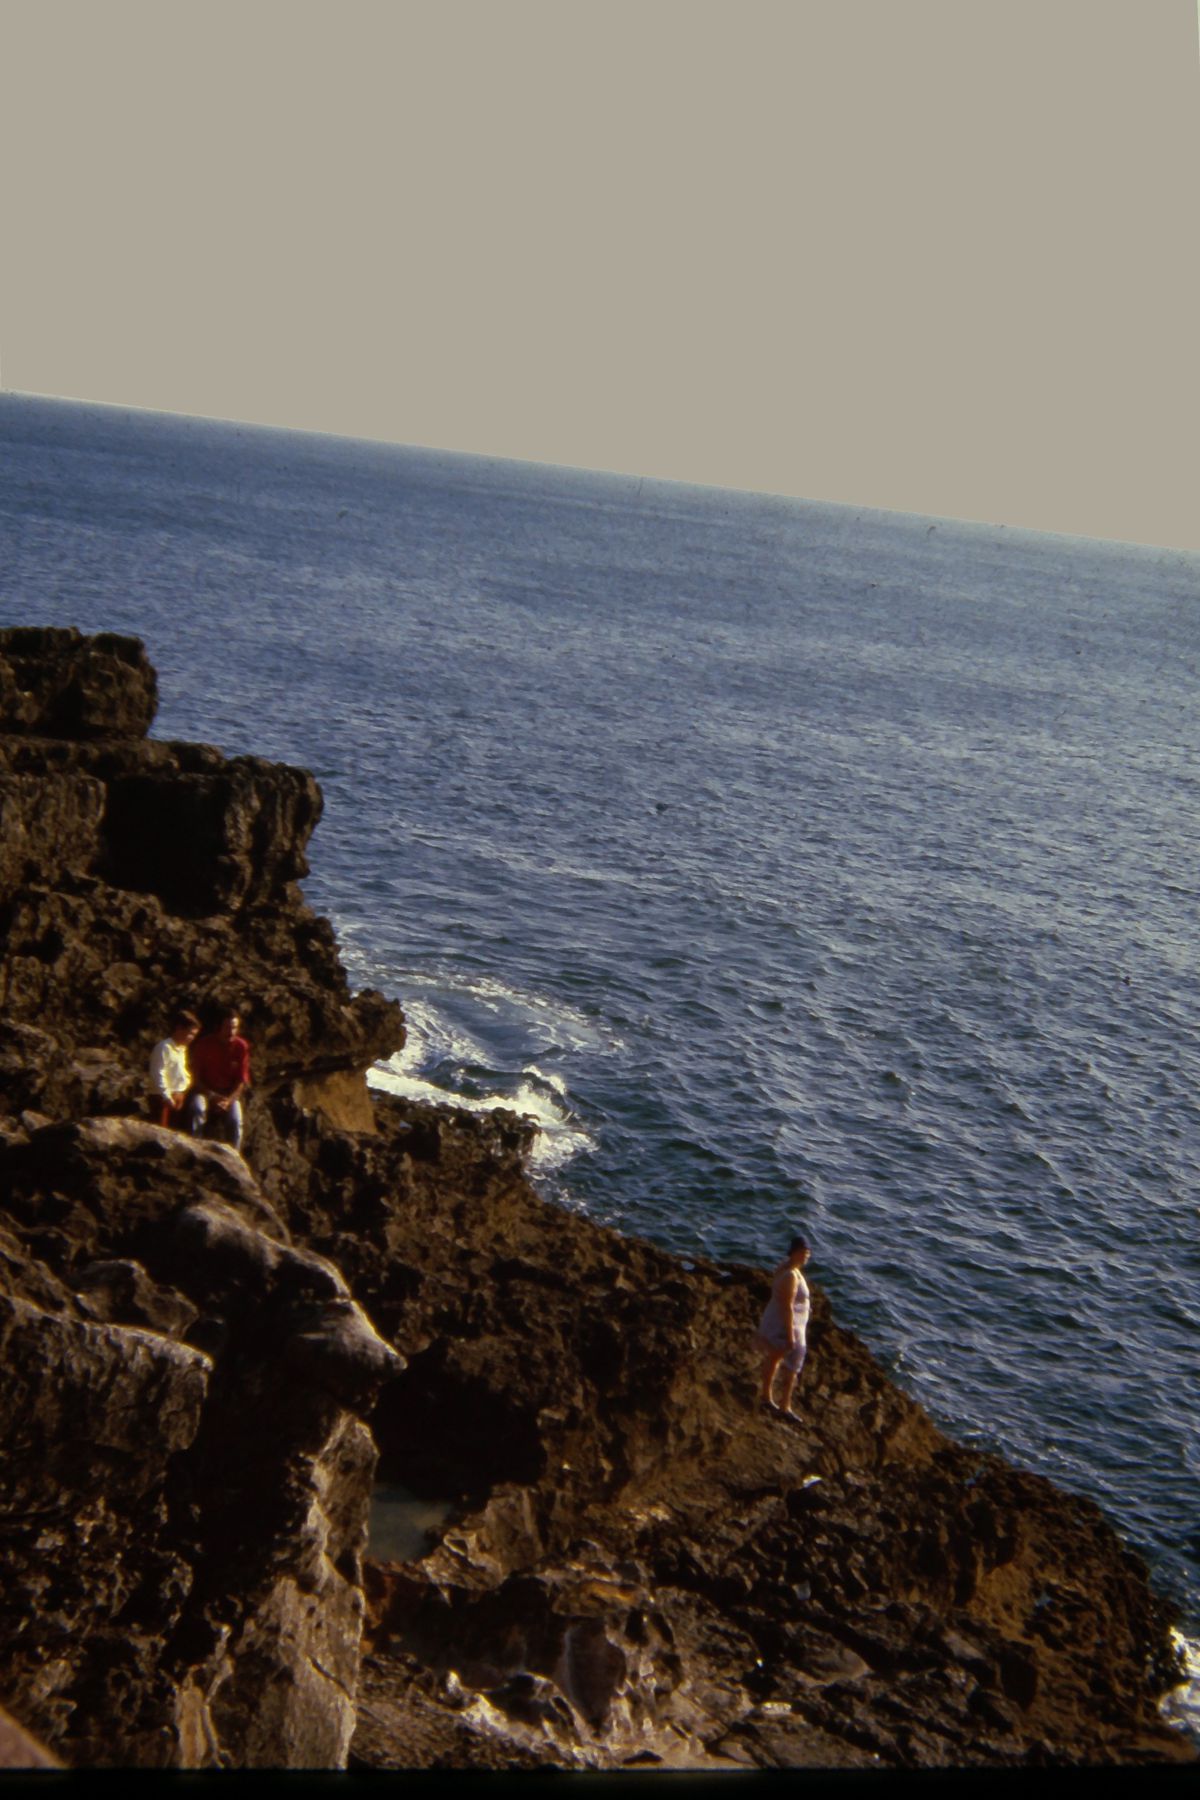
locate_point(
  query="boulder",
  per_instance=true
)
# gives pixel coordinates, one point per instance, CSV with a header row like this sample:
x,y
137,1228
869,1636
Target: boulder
x,y
188,1473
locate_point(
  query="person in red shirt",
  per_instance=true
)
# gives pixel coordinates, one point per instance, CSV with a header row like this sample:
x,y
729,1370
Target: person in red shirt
x,y
220,1076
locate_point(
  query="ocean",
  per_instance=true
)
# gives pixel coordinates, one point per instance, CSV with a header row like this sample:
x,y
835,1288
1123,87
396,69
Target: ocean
x,y
795,866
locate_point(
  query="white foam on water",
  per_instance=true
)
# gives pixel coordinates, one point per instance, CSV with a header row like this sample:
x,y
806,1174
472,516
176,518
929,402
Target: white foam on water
x,y
390,1078
1181,1705
556,1020
430,1037
553,1081
441,1055
566,1024
559,1136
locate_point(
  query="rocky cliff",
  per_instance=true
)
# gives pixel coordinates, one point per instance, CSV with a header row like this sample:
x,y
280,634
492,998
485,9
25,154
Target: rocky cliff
x,y
208,1363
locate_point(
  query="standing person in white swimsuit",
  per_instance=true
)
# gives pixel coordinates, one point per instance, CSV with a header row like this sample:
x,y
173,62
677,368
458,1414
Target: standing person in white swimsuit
x,y
783,1328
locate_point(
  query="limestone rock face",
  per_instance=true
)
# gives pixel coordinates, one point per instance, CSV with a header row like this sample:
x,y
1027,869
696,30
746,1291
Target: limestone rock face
x,y
187,1470
202,1358
213,840
185,1494
643,1568
138,877
56,683
50,823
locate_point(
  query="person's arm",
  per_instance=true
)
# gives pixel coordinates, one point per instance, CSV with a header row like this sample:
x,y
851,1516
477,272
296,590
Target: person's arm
x,y
787,1294
225,1101
158,1071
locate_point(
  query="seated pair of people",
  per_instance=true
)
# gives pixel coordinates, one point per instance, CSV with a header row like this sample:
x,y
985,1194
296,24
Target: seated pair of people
x,y
197,1081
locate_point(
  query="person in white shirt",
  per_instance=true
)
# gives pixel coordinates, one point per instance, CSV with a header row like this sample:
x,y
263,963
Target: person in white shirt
x,y
170,1076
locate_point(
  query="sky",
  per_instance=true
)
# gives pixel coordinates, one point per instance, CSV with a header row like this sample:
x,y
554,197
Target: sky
x,y
937,256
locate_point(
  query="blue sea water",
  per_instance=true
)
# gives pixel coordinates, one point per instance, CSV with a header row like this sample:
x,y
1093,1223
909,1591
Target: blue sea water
x,y
751,845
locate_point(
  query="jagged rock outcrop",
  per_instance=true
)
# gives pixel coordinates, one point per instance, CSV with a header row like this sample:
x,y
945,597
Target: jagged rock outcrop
x,y
188,1471
138,876
56,683
636,1566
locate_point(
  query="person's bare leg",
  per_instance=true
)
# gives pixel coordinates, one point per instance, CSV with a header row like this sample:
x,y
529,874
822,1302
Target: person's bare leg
x,y
789,1383
771,1362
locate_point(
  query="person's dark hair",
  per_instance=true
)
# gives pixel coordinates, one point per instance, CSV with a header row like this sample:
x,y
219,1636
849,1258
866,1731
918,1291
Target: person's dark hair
x,y
798,1243
184,1021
